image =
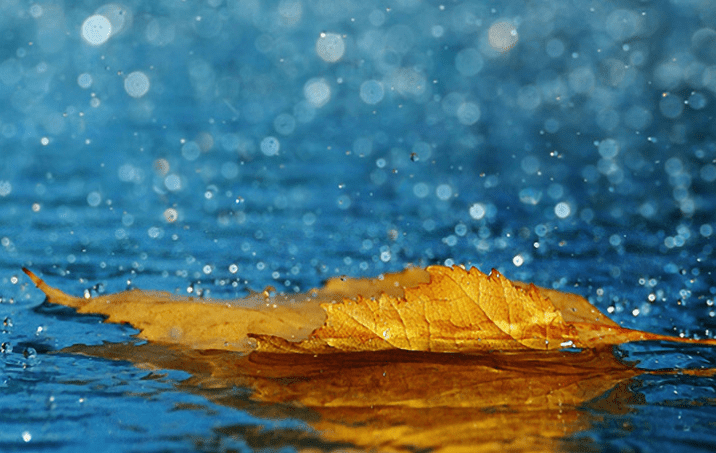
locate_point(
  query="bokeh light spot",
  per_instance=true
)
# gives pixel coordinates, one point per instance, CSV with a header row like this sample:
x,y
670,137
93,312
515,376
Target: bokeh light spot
x,y
502,36
469,62
270,146
468,113
96,30
371,92
330,47
317,92
136,84
562,210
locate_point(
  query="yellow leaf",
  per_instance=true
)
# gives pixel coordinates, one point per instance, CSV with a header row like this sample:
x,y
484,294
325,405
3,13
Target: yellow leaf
x,y
221,324
386,384
198,323
462,311
439,309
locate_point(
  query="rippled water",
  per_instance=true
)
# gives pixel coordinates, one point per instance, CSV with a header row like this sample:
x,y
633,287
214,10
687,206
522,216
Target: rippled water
x,y
212,147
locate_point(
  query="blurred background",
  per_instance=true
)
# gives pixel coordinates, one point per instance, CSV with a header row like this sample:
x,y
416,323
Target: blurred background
x,y
211,147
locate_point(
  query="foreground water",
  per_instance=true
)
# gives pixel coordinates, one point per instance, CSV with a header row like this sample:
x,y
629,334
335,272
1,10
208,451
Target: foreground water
x,y
215,147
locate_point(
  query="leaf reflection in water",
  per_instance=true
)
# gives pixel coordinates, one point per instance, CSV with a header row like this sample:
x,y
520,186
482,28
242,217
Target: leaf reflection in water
x,y
400,400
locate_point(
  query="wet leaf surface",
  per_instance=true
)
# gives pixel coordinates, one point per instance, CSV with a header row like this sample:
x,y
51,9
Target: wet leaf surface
x,y
473,362
440,309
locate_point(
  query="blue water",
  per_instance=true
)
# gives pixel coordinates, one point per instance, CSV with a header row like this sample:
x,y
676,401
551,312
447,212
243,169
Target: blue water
x,y
212,147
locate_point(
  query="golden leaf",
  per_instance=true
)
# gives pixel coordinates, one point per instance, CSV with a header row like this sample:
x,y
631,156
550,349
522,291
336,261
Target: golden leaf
x,y
439,309
386,383
462,311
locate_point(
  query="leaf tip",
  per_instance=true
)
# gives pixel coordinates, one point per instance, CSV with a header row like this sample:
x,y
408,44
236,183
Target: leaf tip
x,y
53,295
35,279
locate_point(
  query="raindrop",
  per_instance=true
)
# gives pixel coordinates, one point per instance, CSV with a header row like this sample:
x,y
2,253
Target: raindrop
x,y
284,124
554,48
581,80
673,166
697,101
421,190
190,150
344,202
421,151
638,118
371,92
469,62
671,106
376,18
502,36
562,210
608,148
11,71
5,188
608,119
477,211
530,195
84,80
36,11
468,113
551,125
668,74
703,44
208,23
94,199
708,173
270,146
96,30
171,215
460,229
330,47
290,12
160,32
304,111
529,97
119,16
172,182
444,192
136,84
622,24
317,92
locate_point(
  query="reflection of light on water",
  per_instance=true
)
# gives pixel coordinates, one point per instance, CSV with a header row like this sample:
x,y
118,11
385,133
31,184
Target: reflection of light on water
x,y
518,260
136,84
502,36
5,188
171,215
330,47
96,30
562,210
371,92
108,20
270,146
317,92
84,80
